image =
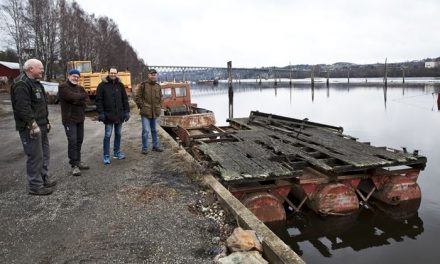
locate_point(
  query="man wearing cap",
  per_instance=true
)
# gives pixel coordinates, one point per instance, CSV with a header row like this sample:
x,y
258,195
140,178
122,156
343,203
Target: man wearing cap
x,y
148,99
29,102
113,109
73,99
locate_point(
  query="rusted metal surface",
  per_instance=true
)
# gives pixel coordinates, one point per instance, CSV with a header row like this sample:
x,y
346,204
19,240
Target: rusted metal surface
x,y
193,120
396,189
171,99
329,199
265,206
179,111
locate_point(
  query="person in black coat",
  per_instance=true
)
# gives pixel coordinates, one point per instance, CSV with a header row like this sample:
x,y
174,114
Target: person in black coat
x,y
29,102
113,109
73,99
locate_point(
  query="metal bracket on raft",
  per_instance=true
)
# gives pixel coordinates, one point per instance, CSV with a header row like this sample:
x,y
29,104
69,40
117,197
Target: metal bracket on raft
x,y
365,199
291,204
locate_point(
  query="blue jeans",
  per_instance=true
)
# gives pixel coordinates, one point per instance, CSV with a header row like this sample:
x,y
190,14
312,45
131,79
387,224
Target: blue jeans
x,y
147,125
108,135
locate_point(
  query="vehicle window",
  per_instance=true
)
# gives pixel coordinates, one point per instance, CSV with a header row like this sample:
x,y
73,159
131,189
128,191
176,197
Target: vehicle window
x,y
166,92
180,92
84,67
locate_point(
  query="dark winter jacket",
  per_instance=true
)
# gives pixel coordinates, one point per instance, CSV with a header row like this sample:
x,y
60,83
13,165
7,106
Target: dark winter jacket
x,y
73,99
148,99
111,100
29,102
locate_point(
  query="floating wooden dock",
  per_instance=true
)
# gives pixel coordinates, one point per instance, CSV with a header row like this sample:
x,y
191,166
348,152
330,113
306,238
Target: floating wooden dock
x,y
319,165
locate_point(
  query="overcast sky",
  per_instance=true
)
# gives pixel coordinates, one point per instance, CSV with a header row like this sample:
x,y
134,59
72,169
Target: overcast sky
x,y
275,32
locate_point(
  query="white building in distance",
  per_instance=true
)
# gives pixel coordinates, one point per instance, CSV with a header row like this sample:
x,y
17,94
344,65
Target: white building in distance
x,y
431,64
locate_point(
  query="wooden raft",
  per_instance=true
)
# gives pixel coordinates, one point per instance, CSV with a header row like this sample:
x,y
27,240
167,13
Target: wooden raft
x,y
273,147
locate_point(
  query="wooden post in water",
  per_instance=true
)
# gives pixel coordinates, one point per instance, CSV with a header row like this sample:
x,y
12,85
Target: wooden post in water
x,y
348,76
230,91
403,74
385,78
275,78
328,78
290,74
312,77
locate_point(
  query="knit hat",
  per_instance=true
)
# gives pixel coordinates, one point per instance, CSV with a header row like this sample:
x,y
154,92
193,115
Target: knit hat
x,y
74,71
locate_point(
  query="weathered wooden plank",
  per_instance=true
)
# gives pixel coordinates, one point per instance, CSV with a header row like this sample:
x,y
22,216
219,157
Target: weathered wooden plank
x,y
242,160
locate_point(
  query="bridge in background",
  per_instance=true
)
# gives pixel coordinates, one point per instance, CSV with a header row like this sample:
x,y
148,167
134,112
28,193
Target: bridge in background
x,y
195,73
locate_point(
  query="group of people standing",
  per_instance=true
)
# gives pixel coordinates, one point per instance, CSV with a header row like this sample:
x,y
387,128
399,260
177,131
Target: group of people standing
x,y
29,103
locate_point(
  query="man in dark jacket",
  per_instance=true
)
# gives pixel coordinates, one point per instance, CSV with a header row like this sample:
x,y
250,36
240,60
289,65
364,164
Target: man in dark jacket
x,y
113,109
148,99
29,102
73,99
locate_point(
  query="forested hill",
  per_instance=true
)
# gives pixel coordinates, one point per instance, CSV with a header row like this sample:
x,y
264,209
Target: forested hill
x,y
57,31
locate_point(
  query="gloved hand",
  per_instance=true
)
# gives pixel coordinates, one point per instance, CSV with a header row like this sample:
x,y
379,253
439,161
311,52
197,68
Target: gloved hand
x,y
34,130
126,116
48,127
101,117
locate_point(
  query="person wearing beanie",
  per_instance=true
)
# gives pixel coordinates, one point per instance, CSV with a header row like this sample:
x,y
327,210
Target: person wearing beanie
x,y
73,100
148,99
113,109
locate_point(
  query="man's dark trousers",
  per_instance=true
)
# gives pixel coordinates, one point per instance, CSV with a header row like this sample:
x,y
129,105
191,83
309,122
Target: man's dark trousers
x,y
38,155
75,136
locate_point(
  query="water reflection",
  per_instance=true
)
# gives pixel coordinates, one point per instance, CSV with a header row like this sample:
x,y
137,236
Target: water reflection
x,y
410,119
377,226
438,101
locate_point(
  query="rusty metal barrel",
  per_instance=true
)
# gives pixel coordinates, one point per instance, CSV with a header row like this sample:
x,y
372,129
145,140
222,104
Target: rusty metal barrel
x,y
398,189
265,206
330,198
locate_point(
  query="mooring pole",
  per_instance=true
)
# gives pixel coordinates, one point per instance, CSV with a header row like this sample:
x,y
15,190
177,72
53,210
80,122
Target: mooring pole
x,y
385,78
290,75
328,78
348,76
403,75
312,77
230,91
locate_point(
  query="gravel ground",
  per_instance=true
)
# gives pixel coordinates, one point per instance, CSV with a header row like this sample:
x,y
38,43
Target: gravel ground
x,y
144,209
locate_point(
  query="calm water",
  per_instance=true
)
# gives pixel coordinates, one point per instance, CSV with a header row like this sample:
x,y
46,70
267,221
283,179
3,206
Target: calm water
x,y
399,116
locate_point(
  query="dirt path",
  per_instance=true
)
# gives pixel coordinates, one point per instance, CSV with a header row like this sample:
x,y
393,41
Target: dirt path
x,y
137,210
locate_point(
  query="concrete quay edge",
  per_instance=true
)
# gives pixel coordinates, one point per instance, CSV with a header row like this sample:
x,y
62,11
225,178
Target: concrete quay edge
x,y
274,249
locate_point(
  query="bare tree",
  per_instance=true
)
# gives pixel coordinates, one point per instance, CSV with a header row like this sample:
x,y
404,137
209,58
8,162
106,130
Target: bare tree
x,y
43,19
60,30
13,14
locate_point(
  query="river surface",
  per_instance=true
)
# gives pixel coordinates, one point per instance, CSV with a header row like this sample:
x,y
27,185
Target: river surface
x,y
398,116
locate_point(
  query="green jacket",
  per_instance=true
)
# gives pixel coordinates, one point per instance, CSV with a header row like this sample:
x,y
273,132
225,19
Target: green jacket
x,y
148,99
29,102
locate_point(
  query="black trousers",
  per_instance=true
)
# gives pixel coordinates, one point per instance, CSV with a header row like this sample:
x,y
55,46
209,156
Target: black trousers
x,y
75,136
